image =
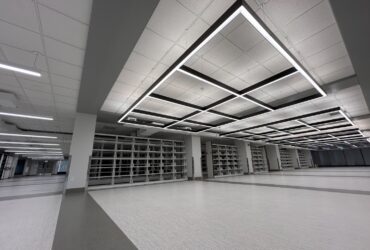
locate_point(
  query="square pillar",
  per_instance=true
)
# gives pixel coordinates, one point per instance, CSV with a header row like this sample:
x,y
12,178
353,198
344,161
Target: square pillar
x,y
193,156
245,156
81,150
273,157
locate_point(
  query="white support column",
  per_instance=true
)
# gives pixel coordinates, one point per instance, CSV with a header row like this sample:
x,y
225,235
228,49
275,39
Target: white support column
x,y
273,157
80,151
193,156
209,159
245,156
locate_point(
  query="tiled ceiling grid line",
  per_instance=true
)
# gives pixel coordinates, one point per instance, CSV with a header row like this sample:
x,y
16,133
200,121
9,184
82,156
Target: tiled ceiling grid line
x,y
238,7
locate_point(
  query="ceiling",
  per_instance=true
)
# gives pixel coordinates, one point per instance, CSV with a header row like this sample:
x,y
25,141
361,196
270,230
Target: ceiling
x,y
237,58
222,99
49,36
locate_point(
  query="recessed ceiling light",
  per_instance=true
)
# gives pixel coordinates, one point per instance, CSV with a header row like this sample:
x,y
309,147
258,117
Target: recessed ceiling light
x,y
29,143
27,116
27,135
20,70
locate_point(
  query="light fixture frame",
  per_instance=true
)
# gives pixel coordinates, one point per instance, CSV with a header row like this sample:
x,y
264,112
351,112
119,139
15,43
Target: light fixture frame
x,y
239,7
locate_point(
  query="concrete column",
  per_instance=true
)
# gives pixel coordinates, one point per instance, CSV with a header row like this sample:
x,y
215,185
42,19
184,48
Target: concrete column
x,y
295,158
209,159
80,151
245,156
193,156
273,157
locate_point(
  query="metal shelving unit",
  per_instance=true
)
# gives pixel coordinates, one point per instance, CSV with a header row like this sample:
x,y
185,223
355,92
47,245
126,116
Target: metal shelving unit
x,y
225,160
303,157
259,159
286,159
129,160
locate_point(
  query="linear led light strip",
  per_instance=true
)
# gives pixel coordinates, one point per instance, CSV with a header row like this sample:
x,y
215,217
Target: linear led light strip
x,y
277,46
346,117
20,70
20,153
29,143
274,81
215,32
307,125
27,135
27,116
202,111
225,89
33,152
29,148
241,10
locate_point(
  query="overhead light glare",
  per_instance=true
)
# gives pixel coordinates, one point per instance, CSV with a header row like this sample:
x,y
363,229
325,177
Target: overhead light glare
x,y
29,143
27,116
19,70
27,135
34,148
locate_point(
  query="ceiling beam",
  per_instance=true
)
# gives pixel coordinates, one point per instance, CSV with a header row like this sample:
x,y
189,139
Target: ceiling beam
x,y
353,21
115,27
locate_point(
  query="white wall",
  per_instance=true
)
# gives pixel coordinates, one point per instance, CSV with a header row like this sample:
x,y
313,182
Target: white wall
x,y
81,149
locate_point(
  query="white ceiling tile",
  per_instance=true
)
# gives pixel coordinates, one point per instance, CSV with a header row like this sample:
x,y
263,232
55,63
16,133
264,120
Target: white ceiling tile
x,y
65,82
256,74
215,10
311,22
319,41
19,12
139,64
64,69
262,52
79,10
288,10
65,99
170,19
328,55
245,36
172,55
65,91
64,52
195,6
222,53
277,64
37,86
19,37
193,33
63,28
152,46
240,65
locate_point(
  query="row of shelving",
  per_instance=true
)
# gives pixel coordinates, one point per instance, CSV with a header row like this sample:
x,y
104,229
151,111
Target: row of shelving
x,y
286,158
259,159
225,160
303,156
127,160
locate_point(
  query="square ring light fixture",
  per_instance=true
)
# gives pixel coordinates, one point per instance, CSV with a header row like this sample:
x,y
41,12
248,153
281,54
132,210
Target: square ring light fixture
x,y
239,7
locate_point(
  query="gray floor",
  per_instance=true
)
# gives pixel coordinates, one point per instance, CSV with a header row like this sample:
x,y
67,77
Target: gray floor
x,y
230,215
31,186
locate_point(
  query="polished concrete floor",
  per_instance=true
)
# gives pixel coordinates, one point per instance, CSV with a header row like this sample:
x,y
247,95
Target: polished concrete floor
x,y
326,208
29,208
227,214
31,186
